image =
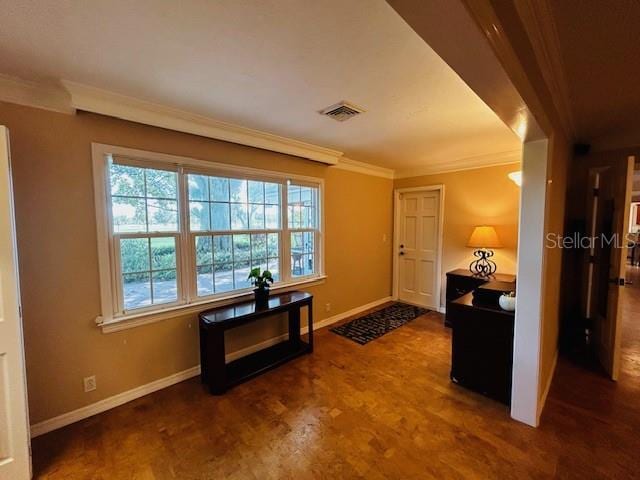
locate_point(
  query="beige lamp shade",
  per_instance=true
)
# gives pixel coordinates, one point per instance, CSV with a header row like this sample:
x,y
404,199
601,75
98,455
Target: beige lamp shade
x,y
484,236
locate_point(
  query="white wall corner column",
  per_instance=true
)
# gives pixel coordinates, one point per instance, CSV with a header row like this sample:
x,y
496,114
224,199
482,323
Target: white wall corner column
x,y
530,284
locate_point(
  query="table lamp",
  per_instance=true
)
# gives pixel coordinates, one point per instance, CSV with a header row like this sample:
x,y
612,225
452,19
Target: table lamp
x,y
484,238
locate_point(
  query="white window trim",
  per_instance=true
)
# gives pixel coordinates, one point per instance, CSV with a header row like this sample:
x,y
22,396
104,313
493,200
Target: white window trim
x,y
108,319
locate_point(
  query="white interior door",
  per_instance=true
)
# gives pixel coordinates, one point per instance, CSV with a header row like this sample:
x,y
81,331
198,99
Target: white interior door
x,y
417,248
15,462
610,219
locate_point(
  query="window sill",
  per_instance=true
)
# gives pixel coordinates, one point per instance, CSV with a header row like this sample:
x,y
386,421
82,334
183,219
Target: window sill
x,y
135,320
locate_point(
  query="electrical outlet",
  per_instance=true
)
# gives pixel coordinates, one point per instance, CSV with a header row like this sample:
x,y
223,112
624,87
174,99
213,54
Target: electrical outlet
x,y
327,307
89,383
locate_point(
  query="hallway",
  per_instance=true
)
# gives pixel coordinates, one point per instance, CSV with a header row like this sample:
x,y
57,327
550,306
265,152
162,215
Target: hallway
x,y
605,414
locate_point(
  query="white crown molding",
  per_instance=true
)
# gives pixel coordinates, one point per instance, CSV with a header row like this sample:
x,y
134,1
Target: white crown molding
x,y
541,28
100,101
364,168
31,94
468,163
75,96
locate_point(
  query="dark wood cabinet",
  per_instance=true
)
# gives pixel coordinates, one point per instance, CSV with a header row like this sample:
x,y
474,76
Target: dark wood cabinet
x,y
461,281
482,347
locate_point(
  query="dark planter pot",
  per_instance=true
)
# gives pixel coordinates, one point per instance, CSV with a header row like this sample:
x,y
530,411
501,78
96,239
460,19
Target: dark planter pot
x,y
262,296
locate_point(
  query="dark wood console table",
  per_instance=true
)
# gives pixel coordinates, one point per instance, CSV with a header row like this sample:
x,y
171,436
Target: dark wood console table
x,y
461,281
218,374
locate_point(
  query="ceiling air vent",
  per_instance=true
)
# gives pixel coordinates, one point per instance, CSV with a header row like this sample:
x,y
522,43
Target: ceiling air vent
x,y
342,111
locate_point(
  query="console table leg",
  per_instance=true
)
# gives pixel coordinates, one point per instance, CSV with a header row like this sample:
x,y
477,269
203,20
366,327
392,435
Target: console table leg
x,y
310,323
216,366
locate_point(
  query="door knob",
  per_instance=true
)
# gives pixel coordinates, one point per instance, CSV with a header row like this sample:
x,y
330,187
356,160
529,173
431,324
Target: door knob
x,y
401,253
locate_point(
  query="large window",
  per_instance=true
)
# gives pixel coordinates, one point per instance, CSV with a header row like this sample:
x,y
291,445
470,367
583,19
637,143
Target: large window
x,y
183,234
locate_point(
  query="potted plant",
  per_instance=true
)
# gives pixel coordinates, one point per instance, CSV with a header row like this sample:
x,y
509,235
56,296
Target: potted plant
x,y
261,283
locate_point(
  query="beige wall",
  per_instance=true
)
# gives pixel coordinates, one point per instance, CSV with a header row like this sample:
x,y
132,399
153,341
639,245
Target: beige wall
x,y
56,231
482,196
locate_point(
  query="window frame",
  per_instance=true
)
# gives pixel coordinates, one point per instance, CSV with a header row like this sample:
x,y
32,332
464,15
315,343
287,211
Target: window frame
x,y
113,317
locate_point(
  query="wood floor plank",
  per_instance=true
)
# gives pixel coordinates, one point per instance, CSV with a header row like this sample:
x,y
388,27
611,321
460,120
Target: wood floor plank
x,y
380,411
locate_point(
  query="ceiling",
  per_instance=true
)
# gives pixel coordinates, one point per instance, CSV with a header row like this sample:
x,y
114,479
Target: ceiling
x,y
268,65
599,46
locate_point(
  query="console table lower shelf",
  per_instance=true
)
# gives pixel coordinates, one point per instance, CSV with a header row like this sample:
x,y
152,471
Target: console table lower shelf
x,y
219,375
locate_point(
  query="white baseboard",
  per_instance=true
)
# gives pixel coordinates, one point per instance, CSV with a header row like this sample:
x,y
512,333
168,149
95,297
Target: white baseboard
x,y
111,402
545,393
354,311
124,397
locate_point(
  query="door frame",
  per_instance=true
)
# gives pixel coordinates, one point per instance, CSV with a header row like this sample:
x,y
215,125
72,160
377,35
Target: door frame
x,y
396,234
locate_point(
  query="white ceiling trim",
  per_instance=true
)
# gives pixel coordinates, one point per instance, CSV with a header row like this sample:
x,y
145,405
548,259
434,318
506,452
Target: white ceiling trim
x,y
365,168
100,101
468,163
31,94
75,96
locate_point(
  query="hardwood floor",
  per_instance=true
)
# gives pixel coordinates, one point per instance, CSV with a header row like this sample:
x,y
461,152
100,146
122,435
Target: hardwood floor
x,y
384,410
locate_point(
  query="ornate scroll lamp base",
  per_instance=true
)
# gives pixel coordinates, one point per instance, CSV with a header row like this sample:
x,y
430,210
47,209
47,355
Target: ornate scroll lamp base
x,y
483,266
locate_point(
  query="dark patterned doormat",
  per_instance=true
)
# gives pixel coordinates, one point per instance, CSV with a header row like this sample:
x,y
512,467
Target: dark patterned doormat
x,y
375,324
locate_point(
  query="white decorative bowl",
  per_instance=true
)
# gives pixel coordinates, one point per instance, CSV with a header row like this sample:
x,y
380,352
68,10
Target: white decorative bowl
x,y
507,303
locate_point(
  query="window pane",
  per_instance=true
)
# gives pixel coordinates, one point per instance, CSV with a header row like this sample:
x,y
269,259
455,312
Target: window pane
x,y
241,248
306,195
204,280
161,183
295,216
297,242
163,215
297,263
302,253
239,216
219,189
198,187
129,215
258,247
126,181
241,274
136,288
308,219
273,239
222,249
163,253
302,207
204,251
199,216
273,265
293,193
256,217
220,216
238,190
307,265
134,255
308,239
165,286
272,217
272,193
256,192
223,275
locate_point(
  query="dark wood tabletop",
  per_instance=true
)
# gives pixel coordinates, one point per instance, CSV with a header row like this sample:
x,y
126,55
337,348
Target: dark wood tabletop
x,y
229,315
